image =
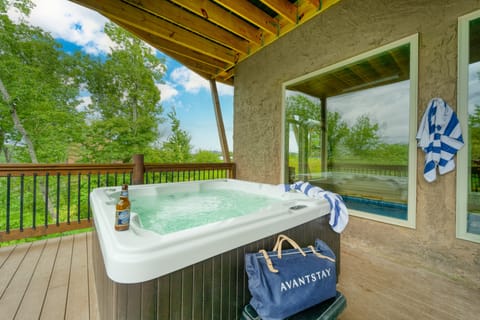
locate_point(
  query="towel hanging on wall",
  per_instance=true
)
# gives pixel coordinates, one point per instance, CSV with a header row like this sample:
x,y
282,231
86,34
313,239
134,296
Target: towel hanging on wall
x,y
440,137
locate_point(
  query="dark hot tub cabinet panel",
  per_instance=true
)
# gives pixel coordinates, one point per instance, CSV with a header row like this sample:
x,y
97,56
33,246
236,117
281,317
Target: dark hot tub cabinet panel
x,y
215,288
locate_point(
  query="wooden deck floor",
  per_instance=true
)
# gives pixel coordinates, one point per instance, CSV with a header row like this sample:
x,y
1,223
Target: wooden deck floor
x,y
48,279
53,279
378,288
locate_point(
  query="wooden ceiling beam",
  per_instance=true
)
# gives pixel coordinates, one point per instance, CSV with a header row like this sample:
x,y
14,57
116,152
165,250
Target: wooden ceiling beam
x,y
194,23
130,15
204,66
284,8
194,65
401,62
200,61
362,73
223,18
251,13
314,3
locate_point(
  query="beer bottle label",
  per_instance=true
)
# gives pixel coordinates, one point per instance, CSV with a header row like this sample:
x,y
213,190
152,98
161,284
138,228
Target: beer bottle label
x,y
123,217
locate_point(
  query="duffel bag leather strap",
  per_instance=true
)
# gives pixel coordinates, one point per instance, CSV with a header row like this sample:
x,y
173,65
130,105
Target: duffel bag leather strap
x,y
269,261
292,243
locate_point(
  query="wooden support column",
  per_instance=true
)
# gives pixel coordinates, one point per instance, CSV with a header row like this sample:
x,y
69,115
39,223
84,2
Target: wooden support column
x,y
138,169
219,118
323,119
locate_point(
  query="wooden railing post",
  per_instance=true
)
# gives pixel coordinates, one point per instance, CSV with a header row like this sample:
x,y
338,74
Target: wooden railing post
x,y
138,169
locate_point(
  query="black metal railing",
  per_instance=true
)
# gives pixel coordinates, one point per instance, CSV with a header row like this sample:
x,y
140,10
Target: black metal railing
x,y
37,200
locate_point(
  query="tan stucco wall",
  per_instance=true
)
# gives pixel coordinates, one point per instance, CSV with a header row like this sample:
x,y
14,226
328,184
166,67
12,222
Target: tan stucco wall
x,y
345,30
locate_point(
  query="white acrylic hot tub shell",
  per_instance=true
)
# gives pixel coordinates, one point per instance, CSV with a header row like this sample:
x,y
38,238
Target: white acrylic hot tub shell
x,y
139,255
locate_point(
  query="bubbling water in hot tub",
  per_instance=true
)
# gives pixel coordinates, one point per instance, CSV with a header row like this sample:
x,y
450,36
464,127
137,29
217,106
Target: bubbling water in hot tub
x,y
171,212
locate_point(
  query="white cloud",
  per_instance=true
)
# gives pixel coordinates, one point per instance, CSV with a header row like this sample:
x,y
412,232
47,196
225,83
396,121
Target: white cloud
x,y
73,23
193,83
167,91
189,80
387,105
224,90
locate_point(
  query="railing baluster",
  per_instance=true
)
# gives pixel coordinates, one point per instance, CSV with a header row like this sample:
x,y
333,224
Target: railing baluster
x,y
88,196
34,224
46,201
22,184
7,227
69,178
57,215
79,185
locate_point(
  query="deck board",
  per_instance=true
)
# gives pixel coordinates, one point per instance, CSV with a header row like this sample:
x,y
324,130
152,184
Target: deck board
x,y
10,265
92,292
16,289
32,301
77,303
5,253
53,279
56,295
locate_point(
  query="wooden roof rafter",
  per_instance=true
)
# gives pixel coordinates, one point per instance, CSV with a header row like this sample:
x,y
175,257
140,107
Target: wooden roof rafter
x,y
194,23
209,36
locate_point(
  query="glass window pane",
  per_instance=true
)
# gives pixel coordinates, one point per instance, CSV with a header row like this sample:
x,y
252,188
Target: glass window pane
x,y
348,131
473,207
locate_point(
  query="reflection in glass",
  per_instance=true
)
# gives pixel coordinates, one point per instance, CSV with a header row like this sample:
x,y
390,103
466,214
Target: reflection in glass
x,y
473,220
348,132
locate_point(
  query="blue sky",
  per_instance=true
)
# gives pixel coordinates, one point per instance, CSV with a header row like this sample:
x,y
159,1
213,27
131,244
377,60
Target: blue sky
x,y
77,27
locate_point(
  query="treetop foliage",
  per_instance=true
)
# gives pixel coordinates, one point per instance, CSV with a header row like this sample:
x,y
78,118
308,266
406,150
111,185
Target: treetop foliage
x,y
59,107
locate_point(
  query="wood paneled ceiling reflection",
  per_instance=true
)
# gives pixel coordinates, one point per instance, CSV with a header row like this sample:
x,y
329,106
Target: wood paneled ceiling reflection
x,y
209,36
385,68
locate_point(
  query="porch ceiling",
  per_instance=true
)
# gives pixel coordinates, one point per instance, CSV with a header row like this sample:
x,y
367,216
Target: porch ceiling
x,y
209,36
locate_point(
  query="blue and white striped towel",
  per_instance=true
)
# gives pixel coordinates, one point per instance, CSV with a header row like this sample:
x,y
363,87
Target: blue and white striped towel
x,y
338,211
440,137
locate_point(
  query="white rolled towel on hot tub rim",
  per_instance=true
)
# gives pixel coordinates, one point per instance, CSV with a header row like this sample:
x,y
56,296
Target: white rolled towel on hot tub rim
x,y
338,210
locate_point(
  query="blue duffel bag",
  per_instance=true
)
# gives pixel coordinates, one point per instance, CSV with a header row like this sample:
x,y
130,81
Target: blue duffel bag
x,y
284,282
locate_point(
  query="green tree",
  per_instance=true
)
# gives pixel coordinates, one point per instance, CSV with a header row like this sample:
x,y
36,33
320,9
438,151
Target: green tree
x,y
204,156
125,111
39,85
177,148
337,130
363,137
474,133
303,116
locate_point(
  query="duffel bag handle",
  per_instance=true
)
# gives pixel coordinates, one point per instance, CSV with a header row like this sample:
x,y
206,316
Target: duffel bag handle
x,y
278,246
280,237
318,254
269,261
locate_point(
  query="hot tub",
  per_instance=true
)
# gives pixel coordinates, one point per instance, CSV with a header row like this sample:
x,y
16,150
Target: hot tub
x,y
197,271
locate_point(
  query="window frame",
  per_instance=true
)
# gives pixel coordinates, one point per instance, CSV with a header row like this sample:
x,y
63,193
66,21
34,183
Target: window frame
x,y
462,114
412,150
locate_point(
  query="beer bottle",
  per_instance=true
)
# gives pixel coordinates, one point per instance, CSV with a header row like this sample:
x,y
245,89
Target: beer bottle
x,y
122,215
